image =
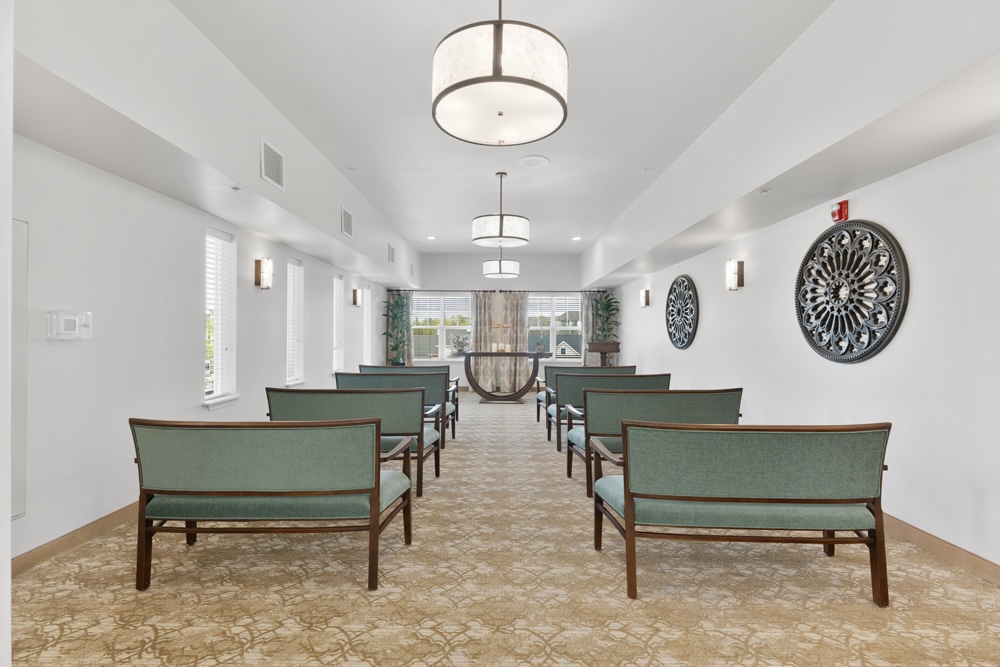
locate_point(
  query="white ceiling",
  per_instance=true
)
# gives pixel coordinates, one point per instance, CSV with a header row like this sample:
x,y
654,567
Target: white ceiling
x,y
647,77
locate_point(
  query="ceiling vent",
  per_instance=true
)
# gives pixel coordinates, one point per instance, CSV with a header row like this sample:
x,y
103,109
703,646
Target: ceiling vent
x,y
346,223
392,254
272,165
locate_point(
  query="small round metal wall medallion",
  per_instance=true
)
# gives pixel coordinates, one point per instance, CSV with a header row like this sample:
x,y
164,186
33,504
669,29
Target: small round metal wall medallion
x,y
851,291
682,312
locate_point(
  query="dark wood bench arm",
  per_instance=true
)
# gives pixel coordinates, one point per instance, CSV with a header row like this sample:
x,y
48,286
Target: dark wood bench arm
x,y
602,452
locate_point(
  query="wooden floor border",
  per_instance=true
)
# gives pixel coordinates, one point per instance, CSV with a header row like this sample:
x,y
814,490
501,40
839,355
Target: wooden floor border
x,y
946,551
60,545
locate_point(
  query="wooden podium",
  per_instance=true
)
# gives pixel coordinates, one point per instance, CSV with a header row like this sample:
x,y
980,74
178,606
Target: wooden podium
x,y
493,397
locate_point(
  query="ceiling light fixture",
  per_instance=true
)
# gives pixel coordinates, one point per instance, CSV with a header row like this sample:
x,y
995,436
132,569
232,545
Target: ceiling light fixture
x,y
500,230
499,83
501,268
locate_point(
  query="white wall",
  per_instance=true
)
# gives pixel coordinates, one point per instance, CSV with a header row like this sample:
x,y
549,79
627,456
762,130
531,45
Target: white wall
x,y
135,259
465,272
935,380
6,126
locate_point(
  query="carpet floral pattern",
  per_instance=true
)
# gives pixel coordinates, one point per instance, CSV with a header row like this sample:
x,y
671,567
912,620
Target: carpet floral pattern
x,y
502,572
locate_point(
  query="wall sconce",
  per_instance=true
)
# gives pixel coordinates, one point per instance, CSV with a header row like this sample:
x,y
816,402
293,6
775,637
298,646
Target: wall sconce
x,y
734,274
644,298
356,297
263,272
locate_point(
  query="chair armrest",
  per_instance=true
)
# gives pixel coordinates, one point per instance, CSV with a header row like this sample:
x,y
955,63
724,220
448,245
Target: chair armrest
x,y
602,453
404,445
574,411
454,382
551,390
430,411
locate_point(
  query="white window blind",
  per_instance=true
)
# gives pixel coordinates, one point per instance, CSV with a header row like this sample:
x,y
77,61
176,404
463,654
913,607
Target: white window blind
x,y
294,319
441,324
366,308
220,314
338,323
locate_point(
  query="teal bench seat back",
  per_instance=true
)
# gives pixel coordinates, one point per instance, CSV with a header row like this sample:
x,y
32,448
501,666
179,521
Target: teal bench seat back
x,y
569,388
401,411
808,463
552,370
404,369
256,457
435,385
606,408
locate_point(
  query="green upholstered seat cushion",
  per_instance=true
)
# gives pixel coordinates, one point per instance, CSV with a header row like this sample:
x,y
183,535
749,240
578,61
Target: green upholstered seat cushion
x,y
389,441
576,436
540,397
552,412
777,516
392,483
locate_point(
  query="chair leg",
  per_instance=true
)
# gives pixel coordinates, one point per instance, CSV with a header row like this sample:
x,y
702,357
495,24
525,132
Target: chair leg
x,y
437,461
407,518
588,457
373,529
558,436
630,564
548,427
192,536
420,473
828,549
880,575
144,554
598,524
453,420
538,411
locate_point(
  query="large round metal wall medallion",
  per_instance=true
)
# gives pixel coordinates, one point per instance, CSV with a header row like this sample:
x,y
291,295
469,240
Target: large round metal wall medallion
x,y
682,312
851,291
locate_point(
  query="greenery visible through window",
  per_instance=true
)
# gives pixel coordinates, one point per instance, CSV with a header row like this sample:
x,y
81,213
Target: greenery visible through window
x,y
220,314
555,326
441,324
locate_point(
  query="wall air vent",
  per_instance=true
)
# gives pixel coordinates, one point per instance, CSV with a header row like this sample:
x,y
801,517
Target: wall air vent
x,y
272,165
346,223
392,254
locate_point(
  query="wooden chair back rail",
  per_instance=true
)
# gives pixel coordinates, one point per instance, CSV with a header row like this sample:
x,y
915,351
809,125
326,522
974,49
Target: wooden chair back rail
x,y
570,386
665,483
204,460
400,409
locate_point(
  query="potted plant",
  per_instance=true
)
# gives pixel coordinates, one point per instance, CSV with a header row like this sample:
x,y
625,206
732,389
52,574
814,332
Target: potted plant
x,y
397,321
604,339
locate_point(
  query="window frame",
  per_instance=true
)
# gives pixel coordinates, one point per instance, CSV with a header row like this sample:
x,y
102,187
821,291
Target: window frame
x,y
294,323
220,296
444,330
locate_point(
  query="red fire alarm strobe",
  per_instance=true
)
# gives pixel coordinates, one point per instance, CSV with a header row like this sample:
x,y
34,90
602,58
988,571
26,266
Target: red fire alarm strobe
x,y
838,211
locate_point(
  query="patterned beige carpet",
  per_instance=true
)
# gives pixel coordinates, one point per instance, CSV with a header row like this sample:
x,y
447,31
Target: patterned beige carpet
x,y
502,571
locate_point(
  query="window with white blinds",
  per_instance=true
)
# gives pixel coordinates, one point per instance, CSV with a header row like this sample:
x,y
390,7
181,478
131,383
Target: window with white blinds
x,y
441,324
294,322
555,324
338,323
220,315
366,307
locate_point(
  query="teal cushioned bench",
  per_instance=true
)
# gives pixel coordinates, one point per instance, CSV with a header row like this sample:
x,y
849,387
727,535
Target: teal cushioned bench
x,y
605,409
569,391
545,398
274,472
401,412
750,478
436,386
443,368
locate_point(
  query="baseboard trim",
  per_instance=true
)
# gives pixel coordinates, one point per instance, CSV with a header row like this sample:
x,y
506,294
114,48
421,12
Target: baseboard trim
x,y
946,551
954,555
70,541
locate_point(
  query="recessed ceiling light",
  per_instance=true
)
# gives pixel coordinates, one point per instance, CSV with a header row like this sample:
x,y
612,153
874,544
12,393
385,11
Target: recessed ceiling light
x,y
577,238
431,238
533,161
